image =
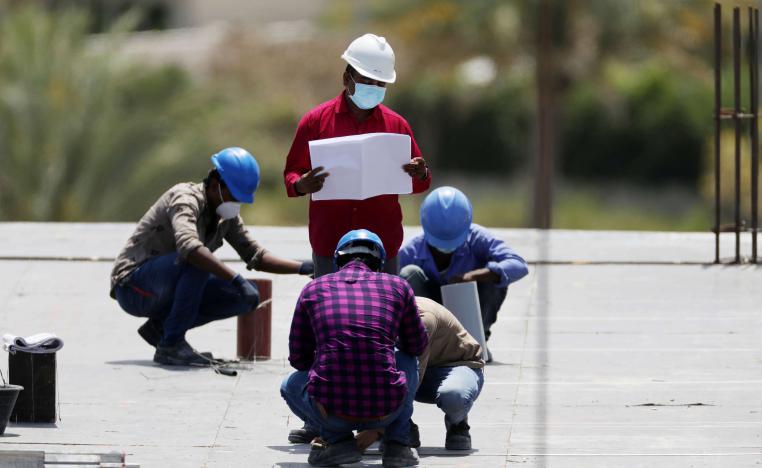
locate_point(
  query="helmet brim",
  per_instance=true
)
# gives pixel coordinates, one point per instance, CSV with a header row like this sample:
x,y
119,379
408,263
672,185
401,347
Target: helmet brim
x,y
446,244
359,250
386,78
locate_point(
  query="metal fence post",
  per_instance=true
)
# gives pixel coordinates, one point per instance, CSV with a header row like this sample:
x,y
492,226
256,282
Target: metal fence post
x,y
737,121
717,121
754,74
738,116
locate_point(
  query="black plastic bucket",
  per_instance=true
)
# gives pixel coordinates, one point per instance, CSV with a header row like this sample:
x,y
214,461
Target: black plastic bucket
x,y
8,395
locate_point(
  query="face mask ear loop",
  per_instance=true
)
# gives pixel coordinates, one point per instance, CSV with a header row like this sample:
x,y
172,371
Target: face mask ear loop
x,y
353,81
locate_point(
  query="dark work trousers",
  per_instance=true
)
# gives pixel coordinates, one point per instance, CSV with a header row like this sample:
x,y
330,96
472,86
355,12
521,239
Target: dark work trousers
x,y
178,295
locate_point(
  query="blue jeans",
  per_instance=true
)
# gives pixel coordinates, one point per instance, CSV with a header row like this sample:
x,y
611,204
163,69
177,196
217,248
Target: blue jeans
x,y
491,297
179,295
453,389
333,429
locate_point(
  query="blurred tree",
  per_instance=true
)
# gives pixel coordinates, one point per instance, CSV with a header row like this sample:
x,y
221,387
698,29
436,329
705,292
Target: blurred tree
x,y
727,176
104,15
82,136
646,129
468,132
652,132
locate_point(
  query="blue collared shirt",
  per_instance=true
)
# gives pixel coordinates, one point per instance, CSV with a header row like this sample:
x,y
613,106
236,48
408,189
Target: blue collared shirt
x,y
481,250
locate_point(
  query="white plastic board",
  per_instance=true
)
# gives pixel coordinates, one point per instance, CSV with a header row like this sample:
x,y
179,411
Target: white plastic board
x,y
362,166
462,299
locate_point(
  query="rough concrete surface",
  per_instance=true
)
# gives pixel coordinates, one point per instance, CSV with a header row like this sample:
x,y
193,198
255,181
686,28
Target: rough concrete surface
x,y
614,354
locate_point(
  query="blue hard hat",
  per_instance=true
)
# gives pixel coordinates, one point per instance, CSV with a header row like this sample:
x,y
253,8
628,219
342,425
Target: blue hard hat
x,y
446,216
360,241
240,172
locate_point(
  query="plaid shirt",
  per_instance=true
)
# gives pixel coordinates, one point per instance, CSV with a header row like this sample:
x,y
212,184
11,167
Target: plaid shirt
x,y
345,329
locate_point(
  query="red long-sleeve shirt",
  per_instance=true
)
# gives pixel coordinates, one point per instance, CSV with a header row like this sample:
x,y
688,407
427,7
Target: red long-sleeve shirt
x,y
330,219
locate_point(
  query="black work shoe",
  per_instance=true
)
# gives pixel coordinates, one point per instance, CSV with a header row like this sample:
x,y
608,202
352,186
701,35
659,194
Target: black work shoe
x,y
303,435
458,436
415,435
398,455
339,453
179,354
415,438
151,331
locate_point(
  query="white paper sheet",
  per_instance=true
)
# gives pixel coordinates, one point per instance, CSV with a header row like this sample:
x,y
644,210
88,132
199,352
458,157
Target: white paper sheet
x,y
462,299
362,166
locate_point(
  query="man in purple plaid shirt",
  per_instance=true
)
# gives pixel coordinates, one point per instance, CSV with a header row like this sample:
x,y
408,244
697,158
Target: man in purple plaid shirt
x,y
353,339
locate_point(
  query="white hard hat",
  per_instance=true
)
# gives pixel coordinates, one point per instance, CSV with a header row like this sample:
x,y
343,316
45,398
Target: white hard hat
x,y
372,57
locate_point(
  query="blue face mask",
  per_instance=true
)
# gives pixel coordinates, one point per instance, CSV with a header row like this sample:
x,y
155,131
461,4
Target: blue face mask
x,y
367,96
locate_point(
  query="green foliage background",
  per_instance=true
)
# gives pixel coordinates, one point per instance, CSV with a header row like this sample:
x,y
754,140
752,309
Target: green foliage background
x,y
86,135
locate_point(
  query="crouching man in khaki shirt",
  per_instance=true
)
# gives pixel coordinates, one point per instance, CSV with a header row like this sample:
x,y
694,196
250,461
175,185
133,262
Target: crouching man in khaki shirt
x,y
450,374
167,273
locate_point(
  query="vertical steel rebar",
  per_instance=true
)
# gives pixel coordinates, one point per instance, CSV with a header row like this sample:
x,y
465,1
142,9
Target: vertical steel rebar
x,y
717,111
737,120
751,53
754,66
546,80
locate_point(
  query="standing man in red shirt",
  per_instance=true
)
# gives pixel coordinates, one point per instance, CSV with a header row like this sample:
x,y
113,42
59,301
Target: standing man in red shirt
x,y
357,110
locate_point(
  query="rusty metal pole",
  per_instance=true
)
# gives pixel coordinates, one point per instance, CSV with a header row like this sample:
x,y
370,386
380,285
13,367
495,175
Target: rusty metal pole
x,y
255,328
754,67
737,120
545,132
717,122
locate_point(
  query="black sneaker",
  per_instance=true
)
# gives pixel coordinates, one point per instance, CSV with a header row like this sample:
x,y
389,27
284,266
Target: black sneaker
x,y
398,455
180,354
151,331
304,435
339,453
458,436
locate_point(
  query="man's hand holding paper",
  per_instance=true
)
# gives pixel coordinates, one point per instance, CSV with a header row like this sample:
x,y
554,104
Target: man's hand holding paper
x,y
311,181
417,168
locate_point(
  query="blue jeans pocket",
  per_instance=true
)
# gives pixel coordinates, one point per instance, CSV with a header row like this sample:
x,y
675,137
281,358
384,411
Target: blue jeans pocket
x,y
134,300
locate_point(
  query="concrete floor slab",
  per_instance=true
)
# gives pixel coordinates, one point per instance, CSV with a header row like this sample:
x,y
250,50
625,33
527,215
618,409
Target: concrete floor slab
x,y
627,361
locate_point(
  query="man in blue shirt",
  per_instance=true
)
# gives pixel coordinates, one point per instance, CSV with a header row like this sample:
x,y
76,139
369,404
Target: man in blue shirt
x,y
452,250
